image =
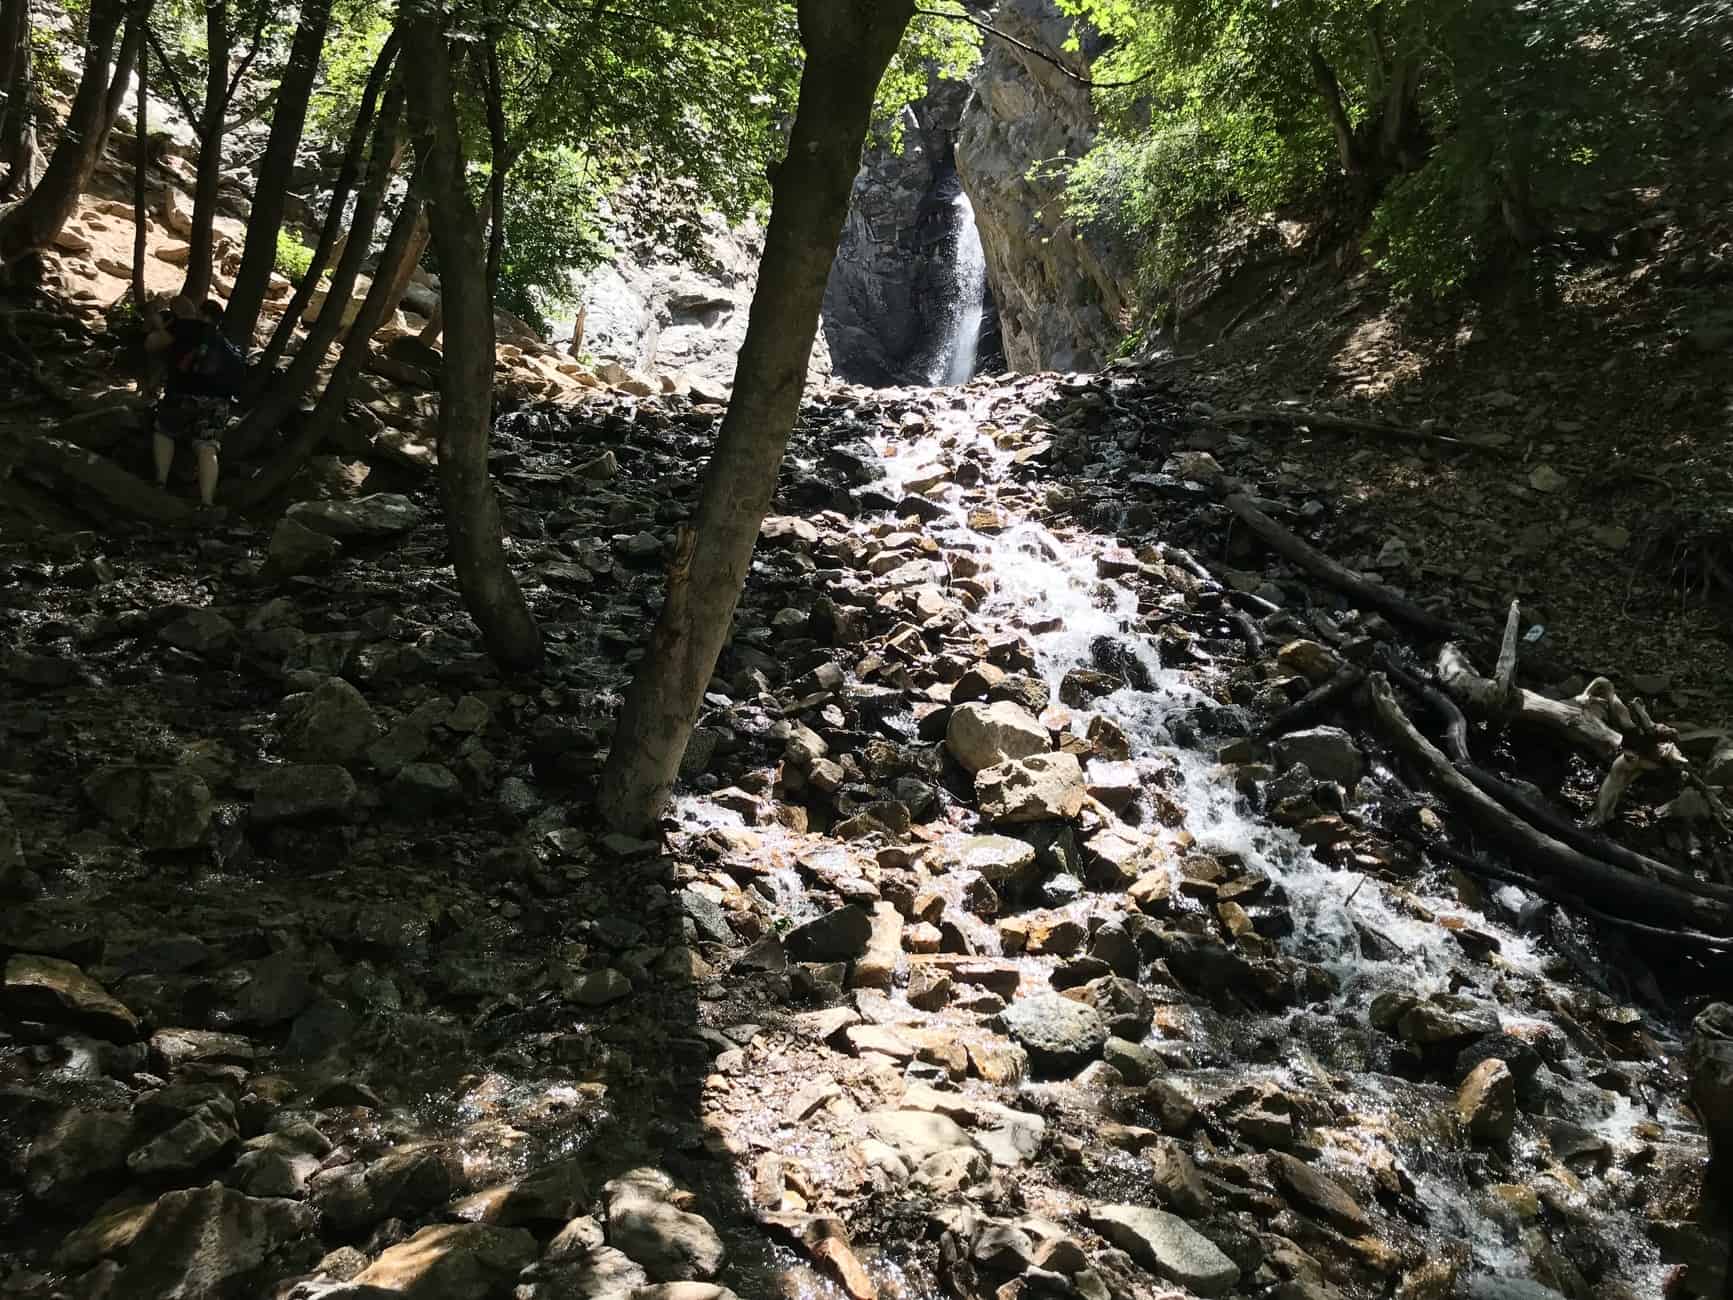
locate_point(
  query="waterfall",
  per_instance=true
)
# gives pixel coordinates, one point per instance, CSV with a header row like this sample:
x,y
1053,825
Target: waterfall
x,y
956,359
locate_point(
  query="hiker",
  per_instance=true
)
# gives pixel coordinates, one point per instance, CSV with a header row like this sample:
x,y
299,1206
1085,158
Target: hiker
x,y
204,375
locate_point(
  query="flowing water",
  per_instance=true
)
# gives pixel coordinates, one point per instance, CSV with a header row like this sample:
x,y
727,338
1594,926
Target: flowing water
x,y
956,360
1039,576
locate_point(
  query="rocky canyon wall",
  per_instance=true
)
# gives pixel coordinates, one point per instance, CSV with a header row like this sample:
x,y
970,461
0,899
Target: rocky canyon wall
x,y
1061,292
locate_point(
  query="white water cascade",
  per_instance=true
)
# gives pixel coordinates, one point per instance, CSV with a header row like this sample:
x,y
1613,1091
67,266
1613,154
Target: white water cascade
x,y
955,363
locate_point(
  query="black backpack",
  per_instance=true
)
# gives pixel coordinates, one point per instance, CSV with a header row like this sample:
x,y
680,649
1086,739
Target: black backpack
x,y
217,363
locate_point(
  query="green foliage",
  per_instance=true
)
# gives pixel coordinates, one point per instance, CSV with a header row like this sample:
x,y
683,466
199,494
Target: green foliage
x,y
551,233
1462,123
293,257
933,48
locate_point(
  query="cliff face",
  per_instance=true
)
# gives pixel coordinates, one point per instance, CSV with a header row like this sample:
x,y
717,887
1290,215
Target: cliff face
x,y
892,289
1060,293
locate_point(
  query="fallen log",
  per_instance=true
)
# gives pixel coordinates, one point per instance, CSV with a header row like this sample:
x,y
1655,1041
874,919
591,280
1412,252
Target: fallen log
x,y
1319,422
1344,579
1531,804
1469,863
1598,884
97,479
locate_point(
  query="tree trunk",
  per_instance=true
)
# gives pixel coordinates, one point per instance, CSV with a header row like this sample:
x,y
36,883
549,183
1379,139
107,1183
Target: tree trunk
x,y
848,44
140,176
330,233
210,169
32,225
357,351
259,255
283,396
435,324
472,518
17,132
403,264
500,163
1330,91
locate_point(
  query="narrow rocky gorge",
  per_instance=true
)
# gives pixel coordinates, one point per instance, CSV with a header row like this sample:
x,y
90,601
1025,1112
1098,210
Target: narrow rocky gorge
x,y
992,949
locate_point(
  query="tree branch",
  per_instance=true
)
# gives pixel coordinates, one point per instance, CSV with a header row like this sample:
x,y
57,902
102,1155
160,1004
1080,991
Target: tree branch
x,y
990,30
174,80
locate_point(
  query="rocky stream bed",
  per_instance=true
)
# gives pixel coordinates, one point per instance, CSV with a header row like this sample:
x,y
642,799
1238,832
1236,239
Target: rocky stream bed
x,y
988,952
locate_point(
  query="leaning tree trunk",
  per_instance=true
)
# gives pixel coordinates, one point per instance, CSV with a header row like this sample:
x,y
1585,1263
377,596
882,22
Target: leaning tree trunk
x,y
472,518
403,266
400,246
32,225
330,234
848,44
284,395
210,169
265,222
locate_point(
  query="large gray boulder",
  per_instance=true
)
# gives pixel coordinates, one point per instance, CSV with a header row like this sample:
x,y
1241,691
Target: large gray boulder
x,y
1058,1033
1167,1245
980,735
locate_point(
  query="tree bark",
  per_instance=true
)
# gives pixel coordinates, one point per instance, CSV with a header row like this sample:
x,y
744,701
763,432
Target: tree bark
x,y
330,234
472,517
210,169
1330,91
140,179
32,225
17,131
400,245
284,395
848,44
259,255
500,163
402,266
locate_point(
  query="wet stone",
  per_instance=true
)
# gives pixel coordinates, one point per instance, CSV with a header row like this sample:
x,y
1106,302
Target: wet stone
x,y
1043,787
46,988
302,792
670,1244
838,935
1058,1033
1167,1246
331,724
981,735
1486,1101
1319,1194
452,1262
1328,753
166,808
205,1242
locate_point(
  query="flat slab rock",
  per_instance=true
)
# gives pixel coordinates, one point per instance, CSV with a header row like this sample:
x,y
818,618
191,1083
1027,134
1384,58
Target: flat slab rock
x,y
46,988
1167,1245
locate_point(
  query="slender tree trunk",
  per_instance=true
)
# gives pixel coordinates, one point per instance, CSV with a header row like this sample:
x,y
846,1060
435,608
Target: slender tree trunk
x,y
259,255
210,169
331,231
1330,91
435,326
285,395
472,518
357,350
848,44
17,131
140,176
500,164
403,264
32,225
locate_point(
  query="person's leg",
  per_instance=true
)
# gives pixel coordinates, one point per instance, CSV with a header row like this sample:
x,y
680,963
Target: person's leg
x,y
208,468
163,447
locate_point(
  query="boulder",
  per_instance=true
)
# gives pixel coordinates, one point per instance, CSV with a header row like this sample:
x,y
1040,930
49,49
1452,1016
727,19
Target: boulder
x,y
297,549
163,807
1319,1195
452,1261
1711,1066
204,1243
1042,787
384,514
1000,859
839,935
1060,1034
302,792
1168,1246
1486,1101
981,735
332,724
1328,753
668,1243
55,991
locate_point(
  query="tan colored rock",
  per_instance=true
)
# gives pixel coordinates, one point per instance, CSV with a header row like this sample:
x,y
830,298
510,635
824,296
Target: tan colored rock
x,y
1486,1101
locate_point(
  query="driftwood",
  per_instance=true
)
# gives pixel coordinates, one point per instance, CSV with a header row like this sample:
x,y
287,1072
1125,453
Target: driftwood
x,y
1597,721
1315,562
1543,857
1319,422
1531,804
